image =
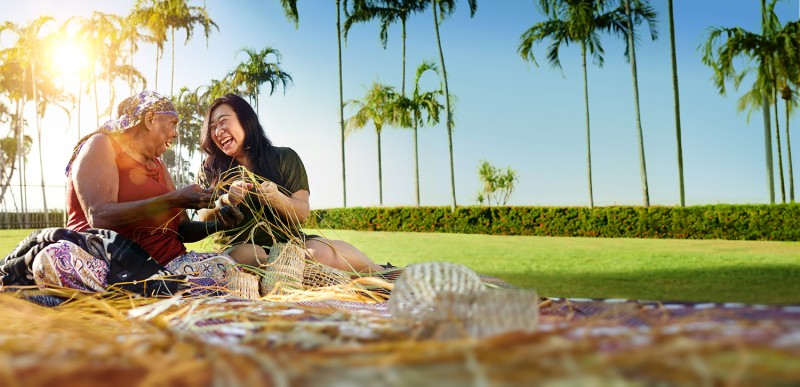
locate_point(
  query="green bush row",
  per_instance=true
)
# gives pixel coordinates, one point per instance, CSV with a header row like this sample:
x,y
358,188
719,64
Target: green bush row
x,y
745,222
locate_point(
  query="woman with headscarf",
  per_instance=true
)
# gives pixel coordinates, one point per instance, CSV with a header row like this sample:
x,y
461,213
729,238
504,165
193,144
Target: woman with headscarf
x,y
116,181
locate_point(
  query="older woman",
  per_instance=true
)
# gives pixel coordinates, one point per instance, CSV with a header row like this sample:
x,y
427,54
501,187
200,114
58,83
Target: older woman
x,y
116,181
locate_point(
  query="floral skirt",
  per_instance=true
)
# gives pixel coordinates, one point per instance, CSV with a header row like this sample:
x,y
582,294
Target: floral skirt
x,y
64,264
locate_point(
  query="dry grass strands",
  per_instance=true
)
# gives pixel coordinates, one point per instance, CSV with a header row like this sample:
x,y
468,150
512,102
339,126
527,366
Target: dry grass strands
x,y
301,339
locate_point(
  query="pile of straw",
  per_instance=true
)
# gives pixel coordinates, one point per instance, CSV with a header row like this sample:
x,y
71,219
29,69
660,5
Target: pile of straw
x,y
339,336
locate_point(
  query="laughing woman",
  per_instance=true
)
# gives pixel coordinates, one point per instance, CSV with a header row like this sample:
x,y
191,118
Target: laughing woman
x,y
117,181
274,199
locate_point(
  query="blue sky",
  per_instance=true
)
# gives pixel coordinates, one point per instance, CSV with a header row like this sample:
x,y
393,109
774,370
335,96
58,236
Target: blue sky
x,y
508,111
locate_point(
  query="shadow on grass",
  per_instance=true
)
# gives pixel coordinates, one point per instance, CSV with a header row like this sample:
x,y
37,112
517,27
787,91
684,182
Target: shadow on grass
x,y
777,284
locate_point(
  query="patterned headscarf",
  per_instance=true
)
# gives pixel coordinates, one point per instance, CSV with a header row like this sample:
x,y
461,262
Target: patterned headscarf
x,y
130,113
132,110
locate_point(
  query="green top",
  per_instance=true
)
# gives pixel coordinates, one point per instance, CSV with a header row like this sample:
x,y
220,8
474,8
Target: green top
x,y
259,218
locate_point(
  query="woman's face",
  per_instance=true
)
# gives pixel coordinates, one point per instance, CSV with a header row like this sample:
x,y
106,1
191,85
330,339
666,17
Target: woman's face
x,y
164,128
226,131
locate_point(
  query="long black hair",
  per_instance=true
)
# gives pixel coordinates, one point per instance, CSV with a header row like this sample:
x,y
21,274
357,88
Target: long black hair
x,y
256,144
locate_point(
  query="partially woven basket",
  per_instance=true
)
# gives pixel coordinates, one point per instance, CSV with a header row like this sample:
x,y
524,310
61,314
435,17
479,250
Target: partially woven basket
x,y
244,285
284,268
317,275
417,289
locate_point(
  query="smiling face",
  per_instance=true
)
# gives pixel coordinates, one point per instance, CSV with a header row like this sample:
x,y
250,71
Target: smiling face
x,y
165,129
226,131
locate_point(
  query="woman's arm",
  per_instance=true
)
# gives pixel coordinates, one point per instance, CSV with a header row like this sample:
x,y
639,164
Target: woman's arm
x,y
96,180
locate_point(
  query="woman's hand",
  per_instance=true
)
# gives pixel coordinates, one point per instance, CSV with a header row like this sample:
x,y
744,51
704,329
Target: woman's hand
x,y
268,193
238,191
192,196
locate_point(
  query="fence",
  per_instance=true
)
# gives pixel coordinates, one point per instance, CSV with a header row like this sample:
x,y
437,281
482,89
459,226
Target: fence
x,y
22,207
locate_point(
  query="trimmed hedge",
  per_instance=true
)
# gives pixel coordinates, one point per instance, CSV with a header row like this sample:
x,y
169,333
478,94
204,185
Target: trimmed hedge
x,y
744,222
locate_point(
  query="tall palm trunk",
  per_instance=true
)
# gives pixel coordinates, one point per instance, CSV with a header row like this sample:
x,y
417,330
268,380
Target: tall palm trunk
x,y
768,149
21,214
341,100
447,106
588,132
632,52
416,165
172,75
130,68
403,79
23,165
677,102
778,143
96,100
80,93
789,149
178,167
158,56
765,111
380,172
39,140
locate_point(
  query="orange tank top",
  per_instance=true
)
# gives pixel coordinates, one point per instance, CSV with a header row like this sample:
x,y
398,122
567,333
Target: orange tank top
x,y
157,235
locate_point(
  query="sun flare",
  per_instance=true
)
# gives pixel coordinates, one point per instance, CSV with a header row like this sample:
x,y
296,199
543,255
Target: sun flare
x,y
69,57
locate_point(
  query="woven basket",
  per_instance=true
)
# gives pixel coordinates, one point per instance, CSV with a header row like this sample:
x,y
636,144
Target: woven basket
x,y
244,285
416,291
284,266
317,275
483,314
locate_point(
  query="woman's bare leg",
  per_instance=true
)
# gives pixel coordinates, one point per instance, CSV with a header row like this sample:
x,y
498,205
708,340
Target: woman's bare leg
x,y
248,254
340,255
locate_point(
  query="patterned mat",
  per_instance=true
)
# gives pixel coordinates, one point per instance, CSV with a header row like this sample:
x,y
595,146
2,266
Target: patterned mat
x,y
319,341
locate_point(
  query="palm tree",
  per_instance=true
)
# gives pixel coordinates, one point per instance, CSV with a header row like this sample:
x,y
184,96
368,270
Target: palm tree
x,y
442,9
415,111
178,14
215,89
633,15
290,10
257,70
677,101
29,47
150,15
88,50
13,85
129,32
388,12
377,106
720,56
787,71
16,146
191,108
571,21
98,31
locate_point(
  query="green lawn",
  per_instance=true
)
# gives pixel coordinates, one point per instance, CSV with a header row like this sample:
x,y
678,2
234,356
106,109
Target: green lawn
x,y
651,269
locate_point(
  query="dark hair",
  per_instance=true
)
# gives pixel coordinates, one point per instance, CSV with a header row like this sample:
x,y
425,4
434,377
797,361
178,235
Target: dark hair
x,y
256,144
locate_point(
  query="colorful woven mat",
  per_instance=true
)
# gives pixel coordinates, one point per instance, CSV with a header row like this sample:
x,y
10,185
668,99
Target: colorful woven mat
x,y
314,340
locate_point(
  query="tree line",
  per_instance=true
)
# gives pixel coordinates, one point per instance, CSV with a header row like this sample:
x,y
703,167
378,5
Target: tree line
x,y
113,40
